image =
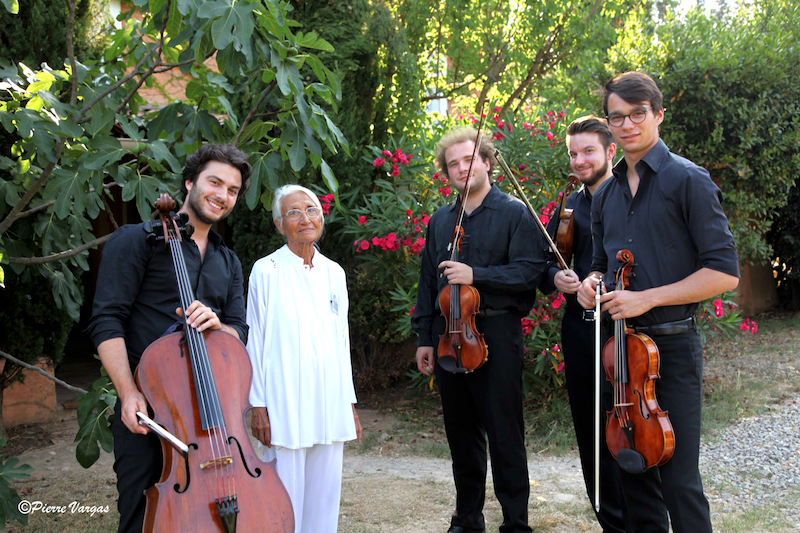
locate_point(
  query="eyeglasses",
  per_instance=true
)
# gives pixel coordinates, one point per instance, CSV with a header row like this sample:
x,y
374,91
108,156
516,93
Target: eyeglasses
x,y
295,214
637,117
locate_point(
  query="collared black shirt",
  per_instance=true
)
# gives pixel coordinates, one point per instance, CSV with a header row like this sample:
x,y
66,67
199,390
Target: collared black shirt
x,y
137,292
581,204
502,245
674,226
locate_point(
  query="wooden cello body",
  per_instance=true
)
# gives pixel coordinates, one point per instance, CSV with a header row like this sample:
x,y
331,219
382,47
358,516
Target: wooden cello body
x,y
197,385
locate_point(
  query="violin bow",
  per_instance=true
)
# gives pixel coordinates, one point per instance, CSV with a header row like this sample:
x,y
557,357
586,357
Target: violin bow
x,y
521,193
597,411
463,205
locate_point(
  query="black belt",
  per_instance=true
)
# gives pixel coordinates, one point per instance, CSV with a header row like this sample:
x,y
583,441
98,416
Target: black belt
x,y
492,312
668,328
583,314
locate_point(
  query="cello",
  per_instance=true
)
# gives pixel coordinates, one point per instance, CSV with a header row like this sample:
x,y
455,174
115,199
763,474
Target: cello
x,y
638,432
198,384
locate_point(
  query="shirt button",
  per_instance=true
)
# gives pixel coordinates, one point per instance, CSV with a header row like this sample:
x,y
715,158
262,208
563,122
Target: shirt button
x,y
630,240
631,212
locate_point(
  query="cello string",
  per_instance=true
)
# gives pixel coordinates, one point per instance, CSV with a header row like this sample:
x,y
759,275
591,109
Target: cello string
x,y
195,340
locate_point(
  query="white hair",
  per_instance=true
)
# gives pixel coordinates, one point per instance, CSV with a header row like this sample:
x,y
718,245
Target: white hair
x,y
284,191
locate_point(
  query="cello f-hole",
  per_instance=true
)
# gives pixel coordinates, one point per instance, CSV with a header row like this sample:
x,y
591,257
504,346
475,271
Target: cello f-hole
x,y
244,460
177,487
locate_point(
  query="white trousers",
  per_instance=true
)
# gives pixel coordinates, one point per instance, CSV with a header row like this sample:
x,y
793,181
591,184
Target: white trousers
x,y
313,479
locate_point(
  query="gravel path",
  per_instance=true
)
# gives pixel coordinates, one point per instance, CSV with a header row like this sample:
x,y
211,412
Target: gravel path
x,y
756,463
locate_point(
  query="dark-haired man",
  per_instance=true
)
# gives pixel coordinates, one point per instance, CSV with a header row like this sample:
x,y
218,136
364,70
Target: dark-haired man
x,y
137,301
667,212
502,256
591,152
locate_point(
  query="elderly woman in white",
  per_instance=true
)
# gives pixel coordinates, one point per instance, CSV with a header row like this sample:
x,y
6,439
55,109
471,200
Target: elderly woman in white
x,y
299,345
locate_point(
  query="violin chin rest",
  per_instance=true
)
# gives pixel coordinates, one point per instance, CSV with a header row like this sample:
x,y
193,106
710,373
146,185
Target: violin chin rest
x,y
631,461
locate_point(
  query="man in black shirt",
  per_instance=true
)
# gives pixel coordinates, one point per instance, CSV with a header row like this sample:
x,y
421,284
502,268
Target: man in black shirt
x,y
502,257
137,301
667,212
591,151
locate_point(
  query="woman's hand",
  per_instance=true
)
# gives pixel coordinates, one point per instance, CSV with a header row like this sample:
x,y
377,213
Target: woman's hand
x,y
259,424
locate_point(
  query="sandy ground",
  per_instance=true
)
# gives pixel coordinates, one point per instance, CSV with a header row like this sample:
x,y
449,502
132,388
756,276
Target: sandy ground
x,y
381,492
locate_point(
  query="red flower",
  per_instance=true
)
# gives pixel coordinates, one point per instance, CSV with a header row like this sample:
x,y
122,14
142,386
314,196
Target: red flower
x,y
395,171
379,162
719,309
364,245
445,191
560,367
549,135
362,220
418,245
556,303
544,218
425,219
386,153
498,136
409,212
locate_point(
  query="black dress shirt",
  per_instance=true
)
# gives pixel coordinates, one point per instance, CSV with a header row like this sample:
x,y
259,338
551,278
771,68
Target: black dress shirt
x,y
674,226
137,292
502,245
581,204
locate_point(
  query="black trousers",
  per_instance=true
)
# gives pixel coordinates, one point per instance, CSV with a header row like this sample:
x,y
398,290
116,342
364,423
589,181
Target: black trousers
x,y
577,342
487,405
677,483
138,461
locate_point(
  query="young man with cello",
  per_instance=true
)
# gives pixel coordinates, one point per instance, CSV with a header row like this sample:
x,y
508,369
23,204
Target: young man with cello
x,y
502,256
666,211
137,301
591,152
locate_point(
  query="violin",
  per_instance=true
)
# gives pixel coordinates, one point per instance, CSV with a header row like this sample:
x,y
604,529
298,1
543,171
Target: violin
x,y
197,385
566,223
638,432
462,348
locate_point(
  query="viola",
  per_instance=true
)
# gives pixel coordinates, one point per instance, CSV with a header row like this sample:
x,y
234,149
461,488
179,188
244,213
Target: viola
x,y
638,432
566,223
197,385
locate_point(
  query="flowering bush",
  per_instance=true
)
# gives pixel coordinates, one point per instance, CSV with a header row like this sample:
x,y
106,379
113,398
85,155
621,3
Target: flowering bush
x,y
720,315
387,225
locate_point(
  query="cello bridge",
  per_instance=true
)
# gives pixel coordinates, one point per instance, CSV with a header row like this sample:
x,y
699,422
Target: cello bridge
x,y
221,461
623,405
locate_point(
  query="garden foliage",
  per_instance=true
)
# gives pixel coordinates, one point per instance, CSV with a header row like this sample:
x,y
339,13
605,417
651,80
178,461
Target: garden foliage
x,y
732,105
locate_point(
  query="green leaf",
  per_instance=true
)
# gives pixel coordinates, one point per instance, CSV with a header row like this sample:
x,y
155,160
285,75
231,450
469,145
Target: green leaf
x,y
330,179
313,40
293,137
229,20
104,151
166,121
161,153
175,20
65,291
145,189
264,172
70,190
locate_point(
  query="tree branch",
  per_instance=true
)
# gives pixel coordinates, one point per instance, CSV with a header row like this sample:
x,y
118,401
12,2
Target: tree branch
x,y
42,372
252,113
60,255
14,214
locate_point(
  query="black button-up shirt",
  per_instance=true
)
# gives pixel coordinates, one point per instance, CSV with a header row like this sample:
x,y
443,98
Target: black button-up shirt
x,y
502,245
581,204
674,226
137,292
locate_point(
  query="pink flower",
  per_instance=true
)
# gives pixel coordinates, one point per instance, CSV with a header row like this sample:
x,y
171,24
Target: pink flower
x,y
362,220
544,218
527,326
551,124
411,311
560,367
719,309
501,124
550,113
364,245
498,136
379,162
403,159
418,245
395,170
549,135
376,241
556,304
753,327
386,153
435,176
745,325
425,219
409,212
560,114
445,191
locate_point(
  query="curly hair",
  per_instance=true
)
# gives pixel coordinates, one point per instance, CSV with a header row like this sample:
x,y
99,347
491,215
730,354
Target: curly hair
x,y
222,153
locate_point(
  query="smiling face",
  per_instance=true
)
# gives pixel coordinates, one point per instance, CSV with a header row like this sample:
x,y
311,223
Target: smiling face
x,y
635,140
213,194
589,159
303,231
458,158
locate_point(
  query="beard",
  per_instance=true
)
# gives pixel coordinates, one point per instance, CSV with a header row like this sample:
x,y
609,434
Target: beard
x,y
194,202
597,176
